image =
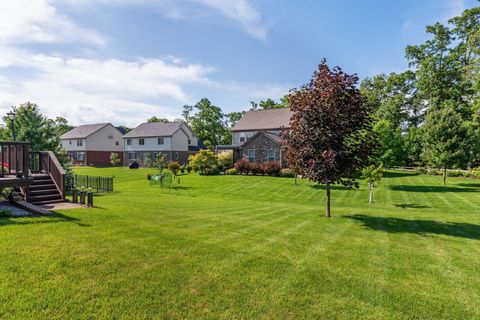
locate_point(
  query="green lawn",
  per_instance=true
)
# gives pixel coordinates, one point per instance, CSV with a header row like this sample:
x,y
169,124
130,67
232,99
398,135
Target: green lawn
x,y
249,247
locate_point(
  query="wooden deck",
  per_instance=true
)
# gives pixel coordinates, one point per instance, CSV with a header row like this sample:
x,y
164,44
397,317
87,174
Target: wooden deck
x,y
12,181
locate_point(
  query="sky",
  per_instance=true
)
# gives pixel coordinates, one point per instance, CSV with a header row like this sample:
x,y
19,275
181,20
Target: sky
x,y
123,61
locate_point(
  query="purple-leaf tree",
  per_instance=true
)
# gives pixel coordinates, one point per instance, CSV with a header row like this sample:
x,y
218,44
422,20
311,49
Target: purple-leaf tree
x,y
330,134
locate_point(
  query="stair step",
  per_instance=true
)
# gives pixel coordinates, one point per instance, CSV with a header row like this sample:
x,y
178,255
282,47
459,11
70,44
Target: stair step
x,y
41,181
43,186
39,203
46,197
40,177
41,192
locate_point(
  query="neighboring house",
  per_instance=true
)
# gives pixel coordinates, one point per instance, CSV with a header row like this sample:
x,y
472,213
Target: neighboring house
x,y
92,144
175,140
256,136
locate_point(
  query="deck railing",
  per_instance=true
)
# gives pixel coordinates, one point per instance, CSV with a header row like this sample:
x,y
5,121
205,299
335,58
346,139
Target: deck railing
x,y
14,159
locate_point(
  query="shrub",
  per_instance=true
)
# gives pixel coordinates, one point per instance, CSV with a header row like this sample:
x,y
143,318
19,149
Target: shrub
x,y
256,168
5,212
243,166
287,173
225,159
231,171
210,172
149,177
188,168
115,160
455,173
271,168
202,160
182,169
173,166
420,170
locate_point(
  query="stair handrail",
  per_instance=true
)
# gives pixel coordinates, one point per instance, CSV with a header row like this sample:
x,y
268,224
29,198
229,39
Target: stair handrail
x,y
57,172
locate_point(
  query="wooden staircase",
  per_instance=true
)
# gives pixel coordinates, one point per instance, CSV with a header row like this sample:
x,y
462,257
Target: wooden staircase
x,y
43,190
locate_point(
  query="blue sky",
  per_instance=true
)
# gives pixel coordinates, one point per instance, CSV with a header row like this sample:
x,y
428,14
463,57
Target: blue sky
x,y
123,61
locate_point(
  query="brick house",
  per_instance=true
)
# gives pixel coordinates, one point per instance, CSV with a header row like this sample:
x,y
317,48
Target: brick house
x,y
256,136
92,144
175,140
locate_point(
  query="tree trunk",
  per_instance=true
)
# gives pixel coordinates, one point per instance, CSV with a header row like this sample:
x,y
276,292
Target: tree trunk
x,y
295,179
370,200
328,201
444,175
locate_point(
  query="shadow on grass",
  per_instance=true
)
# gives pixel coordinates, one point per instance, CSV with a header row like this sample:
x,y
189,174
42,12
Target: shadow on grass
x,y
431,188
54,217
398,174
332,187
470,185
411,206
420,227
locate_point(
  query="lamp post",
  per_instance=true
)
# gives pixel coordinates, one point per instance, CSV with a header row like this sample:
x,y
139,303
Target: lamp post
x,y
11,116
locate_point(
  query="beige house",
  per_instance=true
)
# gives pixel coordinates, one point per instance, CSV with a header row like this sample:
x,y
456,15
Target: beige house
x,y
92,144
175,140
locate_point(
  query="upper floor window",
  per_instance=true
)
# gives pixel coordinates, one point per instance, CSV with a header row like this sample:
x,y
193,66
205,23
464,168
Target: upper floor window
x,y
117,143
129,142
243,137
160,141
79,142
70,142
141,141
189,141
251,155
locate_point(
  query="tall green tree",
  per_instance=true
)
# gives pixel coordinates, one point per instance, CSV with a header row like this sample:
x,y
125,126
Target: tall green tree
x,y
269,104
61,126
33,127
390,144
208,123
157,119
446,139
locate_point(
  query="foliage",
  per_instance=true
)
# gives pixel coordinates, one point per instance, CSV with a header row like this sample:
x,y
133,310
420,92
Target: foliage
x,y
231,171
242,165
69,176
287,173
445,139
203,160
160,161
331,133
272,168
188,168
269,104
156,119
372,174
209,172
390,144
115,160
32,127
5,213
173,166
255,168
207,122
225,159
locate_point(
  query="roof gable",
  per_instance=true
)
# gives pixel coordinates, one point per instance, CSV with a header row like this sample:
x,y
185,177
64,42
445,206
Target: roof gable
x,y
264,119
83,131
154,129
273,137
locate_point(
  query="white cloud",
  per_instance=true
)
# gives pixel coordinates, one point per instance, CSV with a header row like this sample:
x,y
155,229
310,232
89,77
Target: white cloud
x,y
241,11
38,21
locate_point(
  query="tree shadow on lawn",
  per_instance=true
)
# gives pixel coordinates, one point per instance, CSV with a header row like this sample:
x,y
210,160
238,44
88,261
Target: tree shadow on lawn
x,y
398,174
411,206
414,188
332,187
420,227
470,185
54,217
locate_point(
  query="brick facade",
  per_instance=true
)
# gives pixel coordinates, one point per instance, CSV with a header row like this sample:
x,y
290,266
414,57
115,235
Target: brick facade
x,y
260,143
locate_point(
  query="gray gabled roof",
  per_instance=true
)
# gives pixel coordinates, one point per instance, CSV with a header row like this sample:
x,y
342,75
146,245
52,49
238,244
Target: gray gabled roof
x,y
264,120
154,129
82,132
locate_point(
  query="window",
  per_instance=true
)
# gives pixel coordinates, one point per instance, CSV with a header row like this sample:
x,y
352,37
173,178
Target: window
x,y
117,143
160,140
132,156
80,156
141,141
189,142
70,142
271,155
176,155
129,142
110,137
251,155
79,142
242,137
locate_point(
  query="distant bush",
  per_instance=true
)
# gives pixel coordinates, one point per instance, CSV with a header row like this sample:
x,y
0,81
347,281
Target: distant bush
x,y
456,173
203,160
188,168
173,166
231,171
420,170
256,168
287,173
225,159
182,169
243,166
272,168
210,172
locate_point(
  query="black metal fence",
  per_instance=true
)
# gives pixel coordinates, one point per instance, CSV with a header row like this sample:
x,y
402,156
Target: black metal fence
x,y
96,184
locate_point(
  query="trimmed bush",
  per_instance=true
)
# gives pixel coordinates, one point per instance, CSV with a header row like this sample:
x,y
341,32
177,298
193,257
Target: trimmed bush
x,y
210,172
256,168
271,168
287,173
243,166
173,166
231,172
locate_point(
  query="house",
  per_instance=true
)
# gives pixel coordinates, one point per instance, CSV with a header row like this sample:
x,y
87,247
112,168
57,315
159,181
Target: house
x,y
175,140
256,137
92,144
